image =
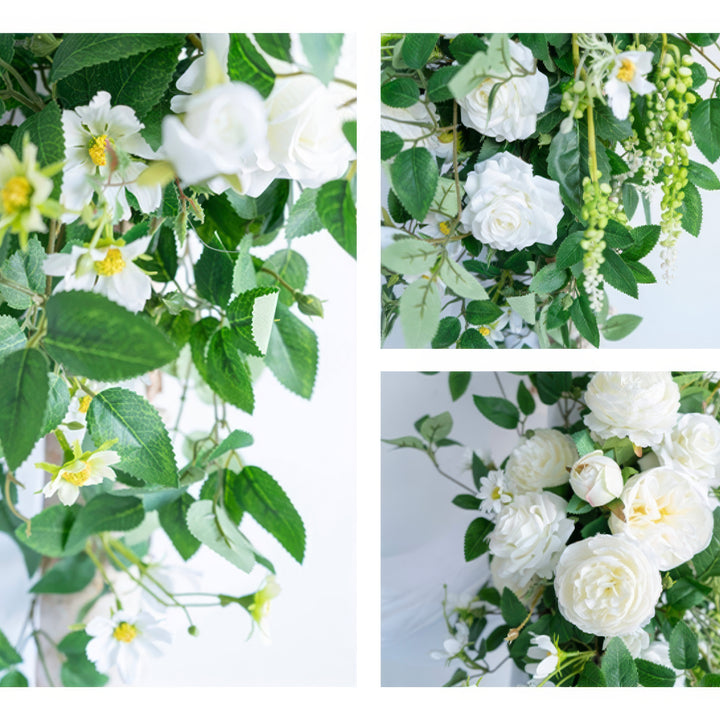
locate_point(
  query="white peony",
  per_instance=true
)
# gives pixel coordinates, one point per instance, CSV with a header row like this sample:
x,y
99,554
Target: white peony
x,y
528,537
666,515
305,134
642,406
541,461
694,446
628,73
517,101
508,208
221,139
597,479
606,586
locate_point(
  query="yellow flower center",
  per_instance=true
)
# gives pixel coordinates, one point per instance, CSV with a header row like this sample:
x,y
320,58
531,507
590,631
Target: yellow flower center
x,y
112,264
16,194
78,479
445,137
444,227
484,331
85,403
496,494
97,149
627,70
125,632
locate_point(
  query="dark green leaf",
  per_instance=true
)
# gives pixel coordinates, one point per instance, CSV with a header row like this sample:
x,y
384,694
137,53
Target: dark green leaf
x,y
513,611
390,144
173,522
618,274
498,410
707,562
8,655
702,176
447,333
705,124
549,279
78,671
228,373
564,167
438,89
684,653
414,175
276,45
645,238
471,339
49,530
618,665
570,251
651,674
14,679
247,65
214,276
417,48
584,319
105,513
467,502
69,575
691,210
458,382
525,400
400,92
336,209
476,542
482,312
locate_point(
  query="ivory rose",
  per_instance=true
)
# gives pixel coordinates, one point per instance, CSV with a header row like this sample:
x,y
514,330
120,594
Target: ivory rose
x,y
597,479
606,586
666,515
642,406
541,461
521,94
509,208
694,446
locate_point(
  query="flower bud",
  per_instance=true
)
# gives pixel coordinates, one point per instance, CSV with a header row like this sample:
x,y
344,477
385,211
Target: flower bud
x,y
596,478
309,305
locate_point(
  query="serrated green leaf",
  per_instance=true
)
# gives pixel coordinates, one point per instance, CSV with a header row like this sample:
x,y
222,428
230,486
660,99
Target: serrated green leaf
x,y
524,306
14,679
439,83
420,313
275,44
23,398
292,353
417,48
250,316
323,52
214,276
173,522
549,279
471,339
291,266
335,207
447,333
414,176
705,125
498,410
400,92
482,312
58,402
49,530
143,442
684,653
105,513
486,61
303,218
69,575
460,281
96,338
390,144
11,337
78,671
228,373
570,251
564,168
645,238
584,319
24,268
702,176
618,665
247,65
212,526
692,210
707,562
409,256
513,611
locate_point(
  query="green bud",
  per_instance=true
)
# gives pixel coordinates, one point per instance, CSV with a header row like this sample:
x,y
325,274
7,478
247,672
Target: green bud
x,y
43,44
309,305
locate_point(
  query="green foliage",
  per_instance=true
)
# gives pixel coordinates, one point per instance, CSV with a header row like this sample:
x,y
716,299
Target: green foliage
x,y
414,176
247,65
618,666
498,411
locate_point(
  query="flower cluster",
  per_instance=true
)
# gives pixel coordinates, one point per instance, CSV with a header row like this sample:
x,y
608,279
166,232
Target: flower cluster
x,y
602,533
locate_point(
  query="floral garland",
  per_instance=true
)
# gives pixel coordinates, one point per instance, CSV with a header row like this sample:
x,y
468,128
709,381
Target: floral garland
x,y
603,533
515,165
140,174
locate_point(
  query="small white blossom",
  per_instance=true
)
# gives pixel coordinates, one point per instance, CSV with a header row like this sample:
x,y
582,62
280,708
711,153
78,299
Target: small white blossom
x,y
454,644
628,73
494,492
543,649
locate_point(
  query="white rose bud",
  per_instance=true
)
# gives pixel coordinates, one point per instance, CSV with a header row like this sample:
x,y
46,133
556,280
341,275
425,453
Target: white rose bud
x,y
517,100
597,479
541,461
694,446
642,406
509,208
606,586
666,515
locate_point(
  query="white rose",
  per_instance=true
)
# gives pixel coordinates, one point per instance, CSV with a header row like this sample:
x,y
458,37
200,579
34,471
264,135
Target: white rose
x,y
694,446
597,479
508,208
305,131
641,406
529,535
666,515
541,461
413,124
222,133
516,103
606,586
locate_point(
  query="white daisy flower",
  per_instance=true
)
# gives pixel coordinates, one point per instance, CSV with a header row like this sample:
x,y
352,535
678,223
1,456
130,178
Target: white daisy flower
x,y
100,142
494,492
627,74
122,640
107,270
543,649
454,644
85,469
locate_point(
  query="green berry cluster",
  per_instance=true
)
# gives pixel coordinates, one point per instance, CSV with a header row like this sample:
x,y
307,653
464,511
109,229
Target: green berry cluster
x,y
575,98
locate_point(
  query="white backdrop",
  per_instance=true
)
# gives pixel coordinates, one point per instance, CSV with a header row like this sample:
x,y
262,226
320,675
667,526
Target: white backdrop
x,y
422,531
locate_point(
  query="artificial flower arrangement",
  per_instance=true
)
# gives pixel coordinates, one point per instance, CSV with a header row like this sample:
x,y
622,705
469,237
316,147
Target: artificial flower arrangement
x,y
139,175
520,170
603,533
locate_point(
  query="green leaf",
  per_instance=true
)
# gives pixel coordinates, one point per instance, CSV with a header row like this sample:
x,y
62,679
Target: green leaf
x,y
707,562
458,382
684,653
400,92
439,83
212,526
407,441
525,401
471,339
8,655
702,176
78,51
487,61
276,45
409,256
323,52
214,276
228,373
710,680
691,210
702,39
617,236
292,353
143,442
11,337
24,268
460,281
261,496
705,125
458,676
498,410
570,251
620,326
645,238
49,530
417,48
513,611
7,47
250,316
549,279
584,319
591,676
618,665
420,312
564,168
78,671
23,397
172,520
69,575
467,502
335,207
247,65
58,402
437,427
618,274
303,218
390,144
447,333
96,338
524,306
687,592
14,679
651,674
482,312
476,543
414,175
105,513
200,336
